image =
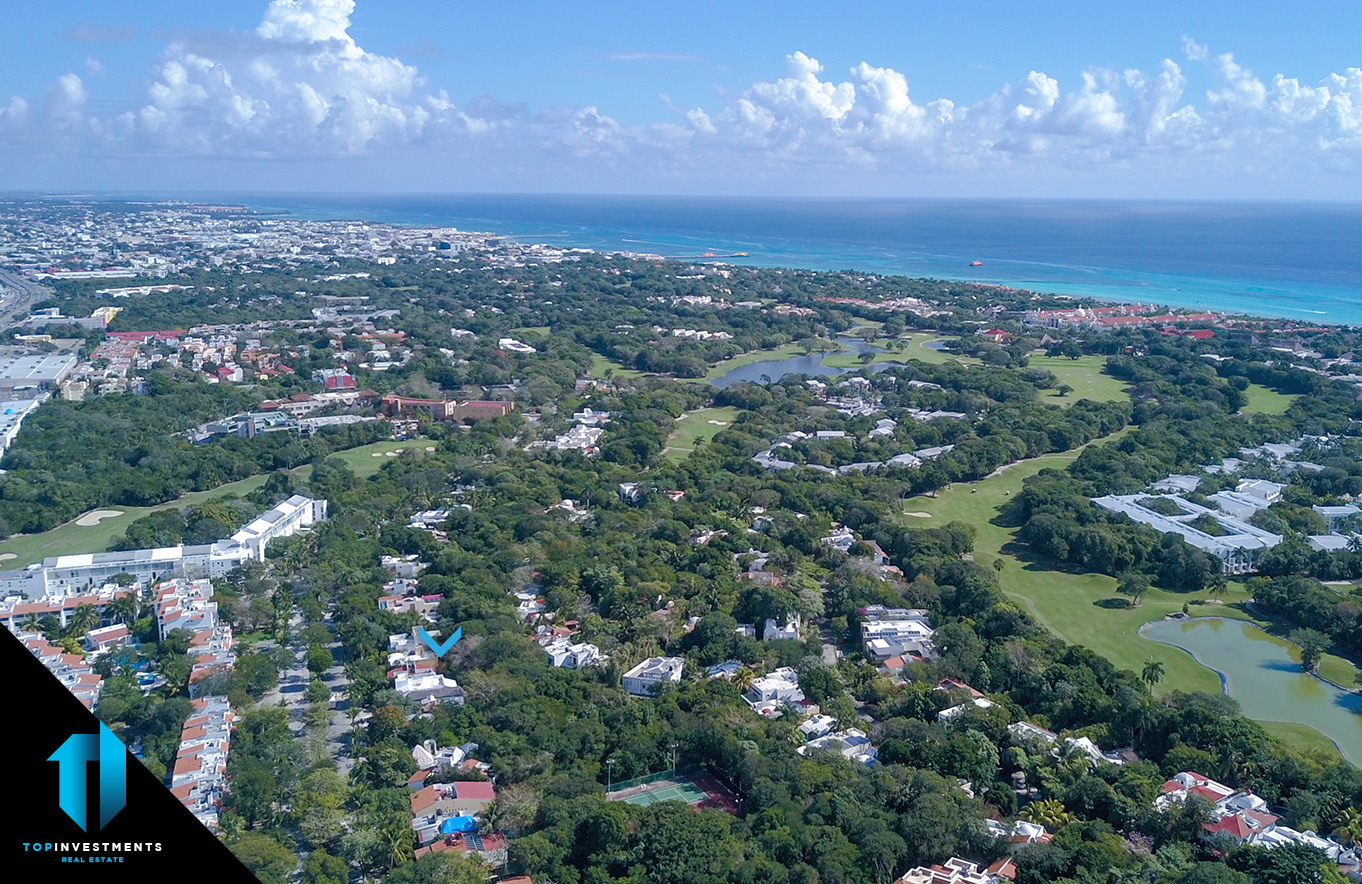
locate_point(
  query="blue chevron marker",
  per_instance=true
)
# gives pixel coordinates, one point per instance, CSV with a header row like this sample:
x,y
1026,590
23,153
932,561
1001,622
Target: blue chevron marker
x,y
441,650
71,758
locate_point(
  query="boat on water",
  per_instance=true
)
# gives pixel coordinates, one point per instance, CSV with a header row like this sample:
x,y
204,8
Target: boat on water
x,y
976,263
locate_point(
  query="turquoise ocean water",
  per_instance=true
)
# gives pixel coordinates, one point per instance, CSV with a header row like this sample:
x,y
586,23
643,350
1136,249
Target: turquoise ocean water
x,y
1290,260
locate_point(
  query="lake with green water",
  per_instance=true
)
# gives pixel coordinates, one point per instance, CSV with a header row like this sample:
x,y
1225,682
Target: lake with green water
x,y
1263,673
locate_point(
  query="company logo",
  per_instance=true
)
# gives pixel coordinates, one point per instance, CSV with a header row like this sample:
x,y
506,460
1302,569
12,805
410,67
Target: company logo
x,y
71,758
440,650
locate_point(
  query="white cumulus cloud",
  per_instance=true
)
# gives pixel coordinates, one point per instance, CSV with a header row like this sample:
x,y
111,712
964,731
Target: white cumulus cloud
x,y
298,85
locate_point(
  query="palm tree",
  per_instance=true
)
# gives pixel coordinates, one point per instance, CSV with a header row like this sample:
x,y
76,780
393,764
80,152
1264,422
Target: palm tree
x,y
1048,813
396,841
31,623
1152,673
82,620
124,609
743,679
1348,829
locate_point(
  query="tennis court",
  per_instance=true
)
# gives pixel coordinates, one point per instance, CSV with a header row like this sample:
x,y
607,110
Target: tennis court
x,y
663,790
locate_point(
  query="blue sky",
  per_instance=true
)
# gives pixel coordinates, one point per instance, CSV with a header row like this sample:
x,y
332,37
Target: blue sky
x,y
1221,100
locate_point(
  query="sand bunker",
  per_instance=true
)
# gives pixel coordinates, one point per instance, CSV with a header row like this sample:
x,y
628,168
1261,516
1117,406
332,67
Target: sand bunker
x,y
391,453
919,515
89,520
5,557
719,423
377,454
430,448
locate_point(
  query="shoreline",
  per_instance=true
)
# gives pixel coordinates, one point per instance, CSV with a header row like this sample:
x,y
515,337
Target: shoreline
x,y
1224,679
618,224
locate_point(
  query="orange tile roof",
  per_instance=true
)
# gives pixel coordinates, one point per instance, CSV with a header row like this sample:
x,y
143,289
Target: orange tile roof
x,y
187,764
423,799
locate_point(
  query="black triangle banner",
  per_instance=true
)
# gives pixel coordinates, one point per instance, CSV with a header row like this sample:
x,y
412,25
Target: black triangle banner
x,y
76,797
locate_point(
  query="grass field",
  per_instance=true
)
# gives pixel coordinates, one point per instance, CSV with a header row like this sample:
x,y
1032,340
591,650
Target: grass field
x,y
529,331
1084,374
362,459
695,426
70,538
1301,736
783,352
599,365
1084,609
1261,400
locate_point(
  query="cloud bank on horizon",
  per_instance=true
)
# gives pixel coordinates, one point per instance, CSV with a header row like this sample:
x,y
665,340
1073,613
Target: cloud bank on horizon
x,y
300,87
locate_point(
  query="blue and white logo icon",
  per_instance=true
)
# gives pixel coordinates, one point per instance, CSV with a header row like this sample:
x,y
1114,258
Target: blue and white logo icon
x,y
112,757
440,649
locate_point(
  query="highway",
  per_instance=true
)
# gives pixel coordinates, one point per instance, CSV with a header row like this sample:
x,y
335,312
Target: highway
x,y
19,295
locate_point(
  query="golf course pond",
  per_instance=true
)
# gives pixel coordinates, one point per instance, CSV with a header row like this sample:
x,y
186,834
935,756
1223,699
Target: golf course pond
x,y
1263,673
772,370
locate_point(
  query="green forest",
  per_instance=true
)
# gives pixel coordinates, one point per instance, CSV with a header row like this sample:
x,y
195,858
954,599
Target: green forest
x,y
633,577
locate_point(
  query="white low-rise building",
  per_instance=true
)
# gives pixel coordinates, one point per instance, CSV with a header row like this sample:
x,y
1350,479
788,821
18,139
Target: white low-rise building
x,y
514,346
956,711
774,690
287,518
1025,730
1239,506
424,686
817,726
1269,492
1086,746
59,576
648,677
1236,547
589,418
851,744
569,655
428,755
882,639
12,414
773,631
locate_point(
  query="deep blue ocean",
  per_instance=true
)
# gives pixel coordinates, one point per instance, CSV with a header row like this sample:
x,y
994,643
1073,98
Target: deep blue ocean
x,y
1277,259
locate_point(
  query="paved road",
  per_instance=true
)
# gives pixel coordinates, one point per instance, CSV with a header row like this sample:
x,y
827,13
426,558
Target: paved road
x,y
293,682
19,295
829,649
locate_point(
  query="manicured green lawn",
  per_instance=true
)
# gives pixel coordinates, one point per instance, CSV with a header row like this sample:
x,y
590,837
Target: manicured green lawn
x,y
529,331
70,538
599,365
695,426
1069,604
1302,736
1261,400
1084,375
362,459
783,352
1084,609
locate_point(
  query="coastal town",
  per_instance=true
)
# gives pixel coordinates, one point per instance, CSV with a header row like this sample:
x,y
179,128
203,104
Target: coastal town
x,y
754,574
